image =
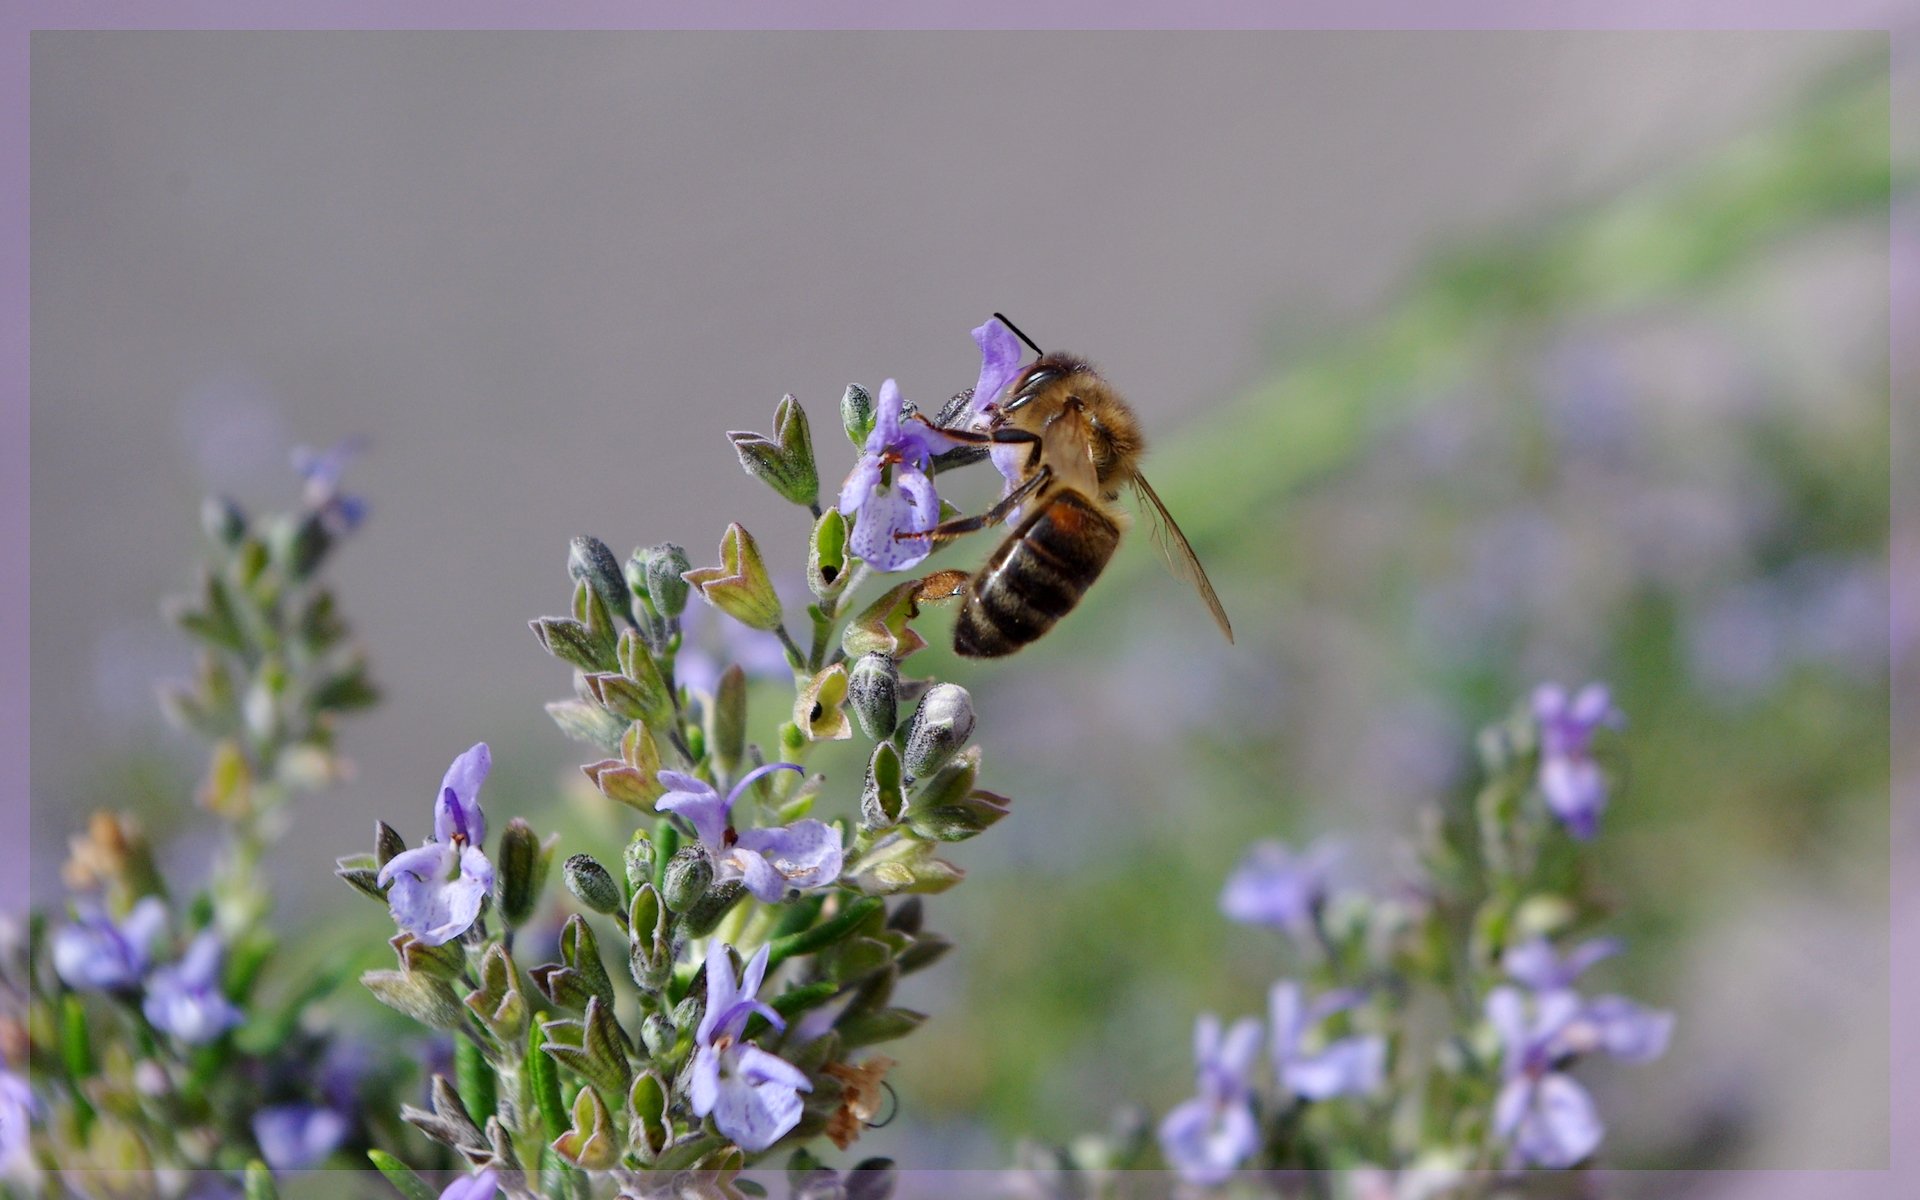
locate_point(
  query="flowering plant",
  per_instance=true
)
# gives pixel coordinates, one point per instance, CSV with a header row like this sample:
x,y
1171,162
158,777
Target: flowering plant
x,y
762,942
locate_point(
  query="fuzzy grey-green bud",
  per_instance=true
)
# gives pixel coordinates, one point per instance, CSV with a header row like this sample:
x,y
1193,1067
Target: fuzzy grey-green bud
x,y
689,874
659,571
638,859
594,885
939,729
519,872
589,560
658,1035
856,414
873,692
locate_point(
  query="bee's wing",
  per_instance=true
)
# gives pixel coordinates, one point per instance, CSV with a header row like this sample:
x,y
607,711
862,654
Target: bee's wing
x,y
1180,557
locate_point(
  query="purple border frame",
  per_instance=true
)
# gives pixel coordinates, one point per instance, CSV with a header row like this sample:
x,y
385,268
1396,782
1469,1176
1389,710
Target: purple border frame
x,y
1900,19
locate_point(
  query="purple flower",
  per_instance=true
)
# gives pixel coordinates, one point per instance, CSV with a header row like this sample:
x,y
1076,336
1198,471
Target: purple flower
x,y
96,954
707,646
1350,1066
293,1137
1274,886
435,890
1570,781
806,854
184,998
999,366
889,491
1534,963
753,1096
1545,1115
322,469
1207,1137
16,1114
483,1186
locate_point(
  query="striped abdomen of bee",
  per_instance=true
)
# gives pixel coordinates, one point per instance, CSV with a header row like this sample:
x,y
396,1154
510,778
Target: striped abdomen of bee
x,y
1036,576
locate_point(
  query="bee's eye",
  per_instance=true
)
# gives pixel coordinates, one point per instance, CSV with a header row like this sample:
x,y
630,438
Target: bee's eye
x,y
1033,382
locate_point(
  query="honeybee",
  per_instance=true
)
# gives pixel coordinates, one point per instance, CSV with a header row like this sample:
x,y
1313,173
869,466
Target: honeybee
x,y
1083,445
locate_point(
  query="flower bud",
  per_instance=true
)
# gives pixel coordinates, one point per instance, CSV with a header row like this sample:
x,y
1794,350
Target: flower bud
x,y
638,859
658,1035
940,727
222,520
785,460
739,586
520,871
881,798
873,690
730,718
856,414
656,573
594,886
689,873
589,560
570,641
705,914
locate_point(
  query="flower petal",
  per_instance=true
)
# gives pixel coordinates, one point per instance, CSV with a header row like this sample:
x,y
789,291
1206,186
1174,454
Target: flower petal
x,y
757,1105
463,779
722,993
806,854
999,362
860,482
1562,1128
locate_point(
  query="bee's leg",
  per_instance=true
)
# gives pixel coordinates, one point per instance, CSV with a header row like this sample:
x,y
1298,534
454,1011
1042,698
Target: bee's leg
x,y
961,526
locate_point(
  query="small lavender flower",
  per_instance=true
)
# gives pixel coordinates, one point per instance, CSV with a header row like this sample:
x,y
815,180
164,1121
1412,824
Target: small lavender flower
x,y
17,1107
1573,785
902,451
1207,1137
752,1095
293,1137
483,1186
1533,962
184,998
97,954
435,890
806,854
341,513
1350,1066
1274,886
1545,1115
999,365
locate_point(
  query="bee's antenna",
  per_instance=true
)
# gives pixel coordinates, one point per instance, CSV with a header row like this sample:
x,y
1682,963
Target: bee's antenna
x,y
1002,318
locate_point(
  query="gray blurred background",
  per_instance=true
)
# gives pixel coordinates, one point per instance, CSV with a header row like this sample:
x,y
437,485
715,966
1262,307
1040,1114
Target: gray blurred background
x,y
544,272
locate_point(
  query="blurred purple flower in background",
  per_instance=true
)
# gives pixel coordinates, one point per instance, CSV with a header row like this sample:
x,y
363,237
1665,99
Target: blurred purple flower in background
x,y
341,513
1350,1066
435,889
1206,1137
708,645
1274,886
1534,963
16,1114
805,854
889,491
97,954
184,998
294,1137
752,1095
1571,782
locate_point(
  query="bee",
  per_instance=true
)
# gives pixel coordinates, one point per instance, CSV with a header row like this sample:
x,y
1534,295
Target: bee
x,y
1083,445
